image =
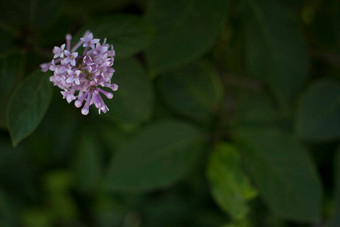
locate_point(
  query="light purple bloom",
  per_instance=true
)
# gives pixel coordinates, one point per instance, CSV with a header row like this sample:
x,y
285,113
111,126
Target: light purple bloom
x,y
70,58
73,76
45,67
100,49
59,51
69,96
88,40
82,77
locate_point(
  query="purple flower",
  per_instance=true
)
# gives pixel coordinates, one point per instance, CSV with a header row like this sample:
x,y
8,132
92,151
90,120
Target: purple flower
x,y
88,40
100,49
70,58
73,76
82,77
69,96
45,67
59,51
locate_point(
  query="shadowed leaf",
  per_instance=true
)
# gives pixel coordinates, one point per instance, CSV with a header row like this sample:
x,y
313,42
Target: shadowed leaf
x,y
158,156
28,106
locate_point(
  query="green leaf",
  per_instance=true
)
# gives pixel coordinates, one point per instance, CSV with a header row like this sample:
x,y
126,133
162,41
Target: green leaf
x,y
28,106
283,173
133,102
259,109
254,107
335,221
114,137
11,69
275,50
185,30
158,156
318,117
87,164
229,185
193,91
128,33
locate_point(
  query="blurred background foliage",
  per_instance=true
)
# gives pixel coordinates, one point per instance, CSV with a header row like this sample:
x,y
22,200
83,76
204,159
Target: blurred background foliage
x,y
227,114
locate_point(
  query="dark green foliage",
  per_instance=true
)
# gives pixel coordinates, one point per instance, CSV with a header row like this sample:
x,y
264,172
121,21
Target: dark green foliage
x,y
275,50
11,71
229,185
129,33
194,91
129,106
283,173
28,106
87,163
185,29
319,112
158,156
227,114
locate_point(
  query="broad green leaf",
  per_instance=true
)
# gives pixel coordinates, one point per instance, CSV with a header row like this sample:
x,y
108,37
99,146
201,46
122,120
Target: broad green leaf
x,y
283,173
259,109
336,218
185,30
129,34
114,137
55,139
158,156
11,69
229,185
275,50
254,107
318,116
28,106
193,91
133,102
87,164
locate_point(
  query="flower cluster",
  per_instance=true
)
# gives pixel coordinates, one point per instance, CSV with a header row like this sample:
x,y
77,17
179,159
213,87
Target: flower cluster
x,y
82,77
